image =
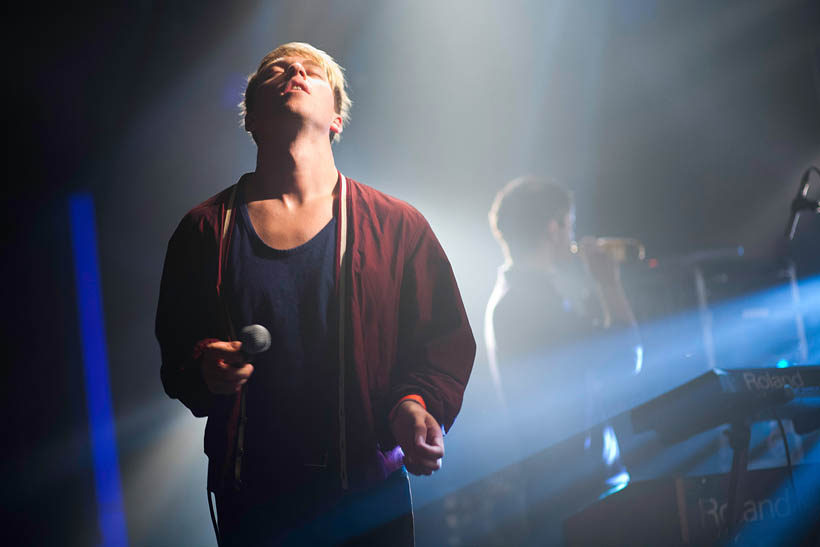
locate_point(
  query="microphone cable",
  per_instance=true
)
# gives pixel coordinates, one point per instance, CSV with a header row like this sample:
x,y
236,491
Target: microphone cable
x,y
213,519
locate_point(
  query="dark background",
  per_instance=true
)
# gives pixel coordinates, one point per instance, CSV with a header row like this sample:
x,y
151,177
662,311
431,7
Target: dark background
x,y
686,125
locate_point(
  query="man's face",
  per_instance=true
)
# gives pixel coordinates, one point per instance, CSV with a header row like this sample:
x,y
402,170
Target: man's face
x,y
562,234
293,88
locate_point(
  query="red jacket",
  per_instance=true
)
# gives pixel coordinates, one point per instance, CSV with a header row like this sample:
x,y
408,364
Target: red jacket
x,y
405,328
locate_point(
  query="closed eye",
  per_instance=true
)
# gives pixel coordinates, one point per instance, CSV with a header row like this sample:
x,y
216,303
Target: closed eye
x,y
316,73
273,72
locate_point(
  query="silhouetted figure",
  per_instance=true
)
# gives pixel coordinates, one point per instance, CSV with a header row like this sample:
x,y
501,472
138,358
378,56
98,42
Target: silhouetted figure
x,y
560,332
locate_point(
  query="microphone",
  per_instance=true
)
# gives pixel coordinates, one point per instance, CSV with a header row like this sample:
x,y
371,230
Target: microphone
x,y
801,203
620,249
255,339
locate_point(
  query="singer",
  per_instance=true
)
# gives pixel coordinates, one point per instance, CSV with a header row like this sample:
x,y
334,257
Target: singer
x,y
371,349
545,316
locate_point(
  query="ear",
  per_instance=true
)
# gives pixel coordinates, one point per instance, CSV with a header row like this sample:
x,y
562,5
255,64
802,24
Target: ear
x,y
250,122
336,125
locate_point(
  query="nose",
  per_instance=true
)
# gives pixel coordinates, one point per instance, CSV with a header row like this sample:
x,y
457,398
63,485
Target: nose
x,y
296,68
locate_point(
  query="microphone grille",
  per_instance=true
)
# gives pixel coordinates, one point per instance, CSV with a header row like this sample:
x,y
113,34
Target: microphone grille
x,y
255,339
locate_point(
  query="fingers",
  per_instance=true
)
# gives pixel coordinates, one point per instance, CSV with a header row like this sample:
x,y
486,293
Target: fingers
x,y
225,379
419,435
423,457
417,469
421,467
592,254
425,442
429,439
229,347
424,450
227,373
430,463
229,352
434,436
224,368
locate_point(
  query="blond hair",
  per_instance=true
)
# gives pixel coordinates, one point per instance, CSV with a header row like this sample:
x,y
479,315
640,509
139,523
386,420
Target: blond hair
x,y
334,72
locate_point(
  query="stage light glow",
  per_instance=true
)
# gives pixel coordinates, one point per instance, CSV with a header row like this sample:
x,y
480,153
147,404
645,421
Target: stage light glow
x,y
95,362
548,413
383,79
618,483
171,461
611,449
795,526
638,358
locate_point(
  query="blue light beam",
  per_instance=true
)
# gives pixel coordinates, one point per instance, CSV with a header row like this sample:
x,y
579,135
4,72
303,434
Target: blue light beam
x,y
95,363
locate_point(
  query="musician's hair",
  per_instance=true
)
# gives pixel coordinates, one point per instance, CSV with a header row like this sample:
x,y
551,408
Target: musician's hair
x,y
522,209
334,72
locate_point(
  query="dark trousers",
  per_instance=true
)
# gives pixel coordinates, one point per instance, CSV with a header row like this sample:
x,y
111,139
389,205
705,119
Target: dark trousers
x,y
317,515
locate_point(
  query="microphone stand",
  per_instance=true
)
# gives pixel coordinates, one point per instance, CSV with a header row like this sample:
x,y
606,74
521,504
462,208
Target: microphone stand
x,y
801,202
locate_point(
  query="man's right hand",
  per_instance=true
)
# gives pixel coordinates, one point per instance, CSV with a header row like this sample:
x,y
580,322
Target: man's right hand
x,y
224,368
604,269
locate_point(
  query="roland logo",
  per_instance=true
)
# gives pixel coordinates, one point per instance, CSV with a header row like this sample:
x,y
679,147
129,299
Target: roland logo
x,y
713,512
767,380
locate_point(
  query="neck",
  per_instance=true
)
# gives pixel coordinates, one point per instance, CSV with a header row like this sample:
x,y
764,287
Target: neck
x,y
294,170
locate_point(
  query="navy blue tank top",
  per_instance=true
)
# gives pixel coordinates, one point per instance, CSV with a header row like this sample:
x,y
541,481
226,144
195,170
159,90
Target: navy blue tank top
x,y
291,396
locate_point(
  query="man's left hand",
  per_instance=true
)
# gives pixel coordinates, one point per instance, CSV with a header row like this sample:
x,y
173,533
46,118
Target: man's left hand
x,y
419,435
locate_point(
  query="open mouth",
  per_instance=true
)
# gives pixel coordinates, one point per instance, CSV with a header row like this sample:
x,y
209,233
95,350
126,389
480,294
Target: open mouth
x,y
295,86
